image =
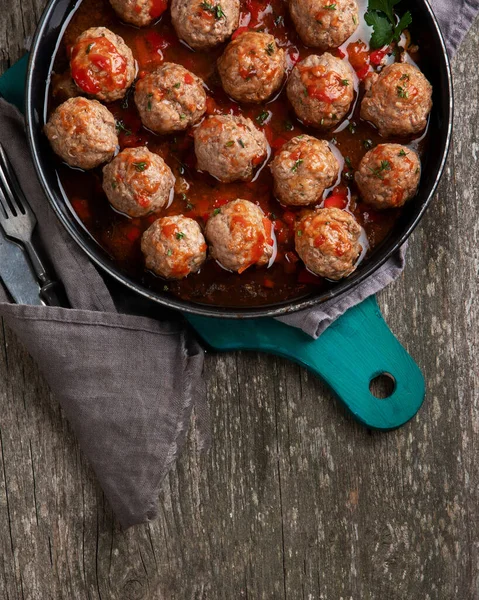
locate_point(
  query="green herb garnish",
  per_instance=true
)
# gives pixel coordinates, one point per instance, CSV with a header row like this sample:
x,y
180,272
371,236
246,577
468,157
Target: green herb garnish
x,y
263,117
381,18
140,166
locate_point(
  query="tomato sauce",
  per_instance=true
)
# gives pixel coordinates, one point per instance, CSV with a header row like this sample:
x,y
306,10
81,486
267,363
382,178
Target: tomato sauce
x,y
198,195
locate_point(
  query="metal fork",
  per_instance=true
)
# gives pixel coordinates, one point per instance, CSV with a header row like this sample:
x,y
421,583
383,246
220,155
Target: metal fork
x,y
18,221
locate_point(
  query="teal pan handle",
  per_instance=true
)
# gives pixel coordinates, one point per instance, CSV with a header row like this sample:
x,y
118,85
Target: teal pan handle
x,y
357,348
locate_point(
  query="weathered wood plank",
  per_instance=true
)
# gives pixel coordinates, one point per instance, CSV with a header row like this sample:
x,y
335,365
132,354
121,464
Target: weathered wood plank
x,y
294,501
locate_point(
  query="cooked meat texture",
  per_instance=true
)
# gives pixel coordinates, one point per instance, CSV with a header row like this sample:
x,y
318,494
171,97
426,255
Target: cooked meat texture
x,y
389,176
205,24
240,236
327,240
321,90
170,99
252,67
102,65
303,169
83,133
174,247
398,100
138,182
229,148
323,24
139,12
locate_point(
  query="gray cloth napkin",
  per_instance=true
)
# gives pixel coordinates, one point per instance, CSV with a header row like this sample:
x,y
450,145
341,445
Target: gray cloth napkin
x,y
128,383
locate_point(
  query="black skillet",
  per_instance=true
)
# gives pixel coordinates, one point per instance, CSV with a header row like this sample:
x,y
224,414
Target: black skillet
x,y
359,346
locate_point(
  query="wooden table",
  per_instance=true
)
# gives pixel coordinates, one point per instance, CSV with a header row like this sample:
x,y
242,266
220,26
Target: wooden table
x,y
295,500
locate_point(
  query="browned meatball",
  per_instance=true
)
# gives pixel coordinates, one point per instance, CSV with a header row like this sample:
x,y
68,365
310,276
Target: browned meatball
x,y
389,175
205,24
252,67
303,169
327,241
83,133
324,24
102,65
170,99
240,236
398,100
139,12
174,247
138,182
321,90
229,148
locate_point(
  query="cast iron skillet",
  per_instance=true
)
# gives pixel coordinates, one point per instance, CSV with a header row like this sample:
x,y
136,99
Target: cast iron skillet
x,y
435,64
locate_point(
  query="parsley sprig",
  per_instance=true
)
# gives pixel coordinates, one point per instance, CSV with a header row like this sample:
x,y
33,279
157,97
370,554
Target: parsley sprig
x,y
382,19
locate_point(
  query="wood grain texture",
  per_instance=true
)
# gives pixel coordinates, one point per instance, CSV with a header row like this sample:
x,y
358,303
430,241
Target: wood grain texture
x,y
295,500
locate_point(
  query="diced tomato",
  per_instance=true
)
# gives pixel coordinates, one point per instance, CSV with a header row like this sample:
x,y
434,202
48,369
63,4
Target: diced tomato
x,y
289,218
189,79
133,234
340,53
239,32
363,72
158,7
307,277
268,283
377,56
220,202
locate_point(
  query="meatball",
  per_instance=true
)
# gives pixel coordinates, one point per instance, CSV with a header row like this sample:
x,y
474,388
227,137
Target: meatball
x,y
205,24
252,67
303,169
139,12
389,175
138,182
174,247
83,133
102,65
398,100
170,99
327,240
321,90
229,148
322,26
240,236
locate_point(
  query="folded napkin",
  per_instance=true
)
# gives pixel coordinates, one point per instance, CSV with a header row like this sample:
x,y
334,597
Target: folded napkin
x,y
128,382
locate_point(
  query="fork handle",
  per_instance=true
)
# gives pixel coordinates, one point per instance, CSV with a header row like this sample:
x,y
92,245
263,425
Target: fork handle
x,y
51,292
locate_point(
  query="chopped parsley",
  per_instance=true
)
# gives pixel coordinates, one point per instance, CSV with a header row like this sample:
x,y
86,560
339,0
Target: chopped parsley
x,y
402,92
169,252
89,47
402,153
381,18
120,126
150,96
368,144
229,144
352,127
330,6
217,11
299,233
345,82
270,49
297,164
263,117
180,235
348,162
288,126
177,85
140,166
379,171
241,143
217,211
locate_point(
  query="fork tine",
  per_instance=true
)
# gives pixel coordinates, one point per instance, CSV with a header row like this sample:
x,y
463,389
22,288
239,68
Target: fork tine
x,y
11,186
4,208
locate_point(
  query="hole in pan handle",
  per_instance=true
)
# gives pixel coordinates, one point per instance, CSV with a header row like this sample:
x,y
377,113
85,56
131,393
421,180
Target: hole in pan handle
x,y
358,348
